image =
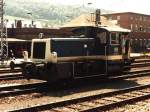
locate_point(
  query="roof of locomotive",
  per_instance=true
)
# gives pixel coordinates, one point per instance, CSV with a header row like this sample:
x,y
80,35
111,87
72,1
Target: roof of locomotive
x,y
115,29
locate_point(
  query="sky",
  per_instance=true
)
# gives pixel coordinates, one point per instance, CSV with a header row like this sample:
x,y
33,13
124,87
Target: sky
x,y
139,6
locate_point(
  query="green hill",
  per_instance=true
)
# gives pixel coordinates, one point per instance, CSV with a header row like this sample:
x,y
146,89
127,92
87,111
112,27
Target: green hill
x,y
54,13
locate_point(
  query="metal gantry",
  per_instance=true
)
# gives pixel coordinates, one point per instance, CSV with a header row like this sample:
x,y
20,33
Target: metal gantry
x,y
3,31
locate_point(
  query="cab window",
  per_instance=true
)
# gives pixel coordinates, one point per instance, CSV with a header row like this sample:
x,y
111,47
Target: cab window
x,y
102,37
114,38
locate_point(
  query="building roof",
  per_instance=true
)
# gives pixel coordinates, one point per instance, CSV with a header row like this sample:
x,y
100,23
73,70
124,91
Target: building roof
x,y
86,20
16,40
118,13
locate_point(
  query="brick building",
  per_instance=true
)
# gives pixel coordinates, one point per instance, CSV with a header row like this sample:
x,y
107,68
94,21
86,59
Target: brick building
x,y
139,23
133,21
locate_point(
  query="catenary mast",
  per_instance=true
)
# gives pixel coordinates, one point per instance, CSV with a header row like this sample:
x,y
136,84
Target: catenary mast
x,y
3,31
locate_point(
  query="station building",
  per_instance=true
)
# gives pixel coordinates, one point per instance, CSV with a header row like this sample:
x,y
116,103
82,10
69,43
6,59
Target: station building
x,y
19,37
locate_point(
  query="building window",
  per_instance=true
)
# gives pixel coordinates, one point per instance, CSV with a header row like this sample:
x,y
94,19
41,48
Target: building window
x,y
118,17
131,26
131,18
136,18
131,41
140,42
136,27
148,29
114,38
140,18
110,18
144,29
102,37
140,28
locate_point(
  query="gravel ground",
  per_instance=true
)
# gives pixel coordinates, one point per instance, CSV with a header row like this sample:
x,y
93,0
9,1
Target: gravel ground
x,y
28,100
143,106
10,100
18,82
15,73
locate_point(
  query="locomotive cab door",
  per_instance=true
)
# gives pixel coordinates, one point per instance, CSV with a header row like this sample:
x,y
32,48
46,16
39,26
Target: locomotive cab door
x,y
114,53
126,46
115,44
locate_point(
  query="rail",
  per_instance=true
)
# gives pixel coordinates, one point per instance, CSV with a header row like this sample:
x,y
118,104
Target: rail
x,y
96,102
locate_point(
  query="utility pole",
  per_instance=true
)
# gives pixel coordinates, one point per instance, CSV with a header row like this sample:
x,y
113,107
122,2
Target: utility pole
x,y
97,17
3,31
31,17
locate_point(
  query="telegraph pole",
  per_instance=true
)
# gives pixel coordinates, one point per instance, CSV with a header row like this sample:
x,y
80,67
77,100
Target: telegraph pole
x,y
3,34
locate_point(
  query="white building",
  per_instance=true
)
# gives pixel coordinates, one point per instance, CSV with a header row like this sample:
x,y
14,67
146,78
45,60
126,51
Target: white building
x,y
25,23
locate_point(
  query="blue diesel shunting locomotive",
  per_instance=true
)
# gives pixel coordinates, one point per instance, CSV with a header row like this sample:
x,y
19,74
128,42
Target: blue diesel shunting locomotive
x,y
94,51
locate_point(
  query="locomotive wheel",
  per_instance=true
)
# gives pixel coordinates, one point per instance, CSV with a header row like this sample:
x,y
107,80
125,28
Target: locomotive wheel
x,y
28,70
25,71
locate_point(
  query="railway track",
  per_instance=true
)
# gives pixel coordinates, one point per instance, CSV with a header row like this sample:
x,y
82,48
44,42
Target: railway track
x,y
10,75
26,89
140,62
8,70
137,70
126,75
99,102
140,67
131,75
15,90
7,74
